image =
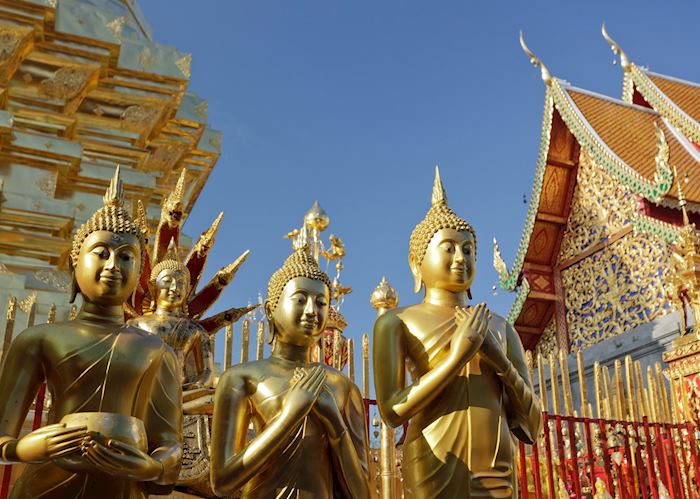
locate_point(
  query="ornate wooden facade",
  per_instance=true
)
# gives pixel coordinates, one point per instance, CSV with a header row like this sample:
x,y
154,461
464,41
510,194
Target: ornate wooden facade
x,y
594,255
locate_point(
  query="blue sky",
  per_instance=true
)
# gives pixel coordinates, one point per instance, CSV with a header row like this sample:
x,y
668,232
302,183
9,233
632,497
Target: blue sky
x,y
353,104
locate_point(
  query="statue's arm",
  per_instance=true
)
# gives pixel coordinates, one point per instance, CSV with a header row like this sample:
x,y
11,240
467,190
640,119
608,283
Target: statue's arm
x,y
204,360
163,422
234,460
397,402
351,448
523,409
20,378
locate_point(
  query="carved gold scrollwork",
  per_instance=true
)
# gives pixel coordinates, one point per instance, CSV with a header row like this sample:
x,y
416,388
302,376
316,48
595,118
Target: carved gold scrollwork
x,y
620,286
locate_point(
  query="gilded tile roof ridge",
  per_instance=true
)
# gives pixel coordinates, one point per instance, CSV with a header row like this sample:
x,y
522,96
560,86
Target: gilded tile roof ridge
x,y
663,104
638,77
612,100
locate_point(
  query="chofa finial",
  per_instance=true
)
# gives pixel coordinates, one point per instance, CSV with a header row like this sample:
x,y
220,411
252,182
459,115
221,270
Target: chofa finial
x,y
115,192
534,60
624,60
439,195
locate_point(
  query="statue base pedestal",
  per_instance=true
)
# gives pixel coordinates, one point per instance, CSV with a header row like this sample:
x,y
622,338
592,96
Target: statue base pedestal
x,y
683,360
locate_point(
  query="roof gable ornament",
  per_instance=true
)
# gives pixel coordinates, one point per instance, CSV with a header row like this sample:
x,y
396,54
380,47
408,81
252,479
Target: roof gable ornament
x,y
617,50
535,61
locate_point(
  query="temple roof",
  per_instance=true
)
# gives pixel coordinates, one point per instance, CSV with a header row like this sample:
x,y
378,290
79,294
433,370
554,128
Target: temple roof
x,y
628,130
636,145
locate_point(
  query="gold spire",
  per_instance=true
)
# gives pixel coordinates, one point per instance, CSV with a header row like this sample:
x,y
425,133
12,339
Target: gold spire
x,y
141,218
535,61
317,218
298,264
617,50
115,192
681,198
439,216
439,195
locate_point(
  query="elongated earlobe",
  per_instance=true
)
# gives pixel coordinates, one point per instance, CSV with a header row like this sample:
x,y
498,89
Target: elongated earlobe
x,y
469,293
417,282
74,289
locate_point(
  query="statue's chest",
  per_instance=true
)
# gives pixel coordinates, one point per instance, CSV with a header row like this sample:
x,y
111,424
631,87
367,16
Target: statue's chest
x,y
119,359
268,398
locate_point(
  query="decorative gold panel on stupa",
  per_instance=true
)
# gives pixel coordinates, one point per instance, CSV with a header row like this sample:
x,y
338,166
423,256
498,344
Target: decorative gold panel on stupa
x,y
82,89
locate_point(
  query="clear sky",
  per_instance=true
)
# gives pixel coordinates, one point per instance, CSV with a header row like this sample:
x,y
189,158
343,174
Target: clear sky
x,y
353,104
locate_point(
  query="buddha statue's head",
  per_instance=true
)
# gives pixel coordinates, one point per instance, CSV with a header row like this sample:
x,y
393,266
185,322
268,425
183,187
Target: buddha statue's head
x,y
442,248
298,297
107,251
169,285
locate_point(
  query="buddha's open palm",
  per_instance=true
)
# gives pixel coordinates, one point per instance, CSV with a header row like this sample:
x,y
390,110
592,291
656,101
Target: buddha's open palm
x,y
120,459
472,326
50,442
306,386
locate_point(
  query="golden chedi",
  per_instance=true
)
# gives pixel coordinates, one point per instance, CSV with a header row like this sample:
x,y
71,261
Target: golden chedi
x,y
115,426
310,439
470,388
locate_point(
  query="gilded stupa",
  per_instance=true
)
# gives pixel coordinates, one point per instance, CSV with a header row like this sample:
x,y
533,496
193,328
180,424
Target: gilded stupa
x,y
83,88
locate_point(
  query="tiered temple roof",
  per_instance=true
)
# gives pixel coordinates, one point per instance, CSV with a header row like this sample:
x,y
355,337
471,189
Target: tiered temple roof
x,y
634,141
82,89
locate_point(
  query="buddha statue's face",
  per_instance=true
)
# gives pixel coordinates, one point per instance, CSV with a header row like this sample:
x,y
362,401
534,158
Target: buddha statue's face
x,y
171,289
449,261
108,266
301,312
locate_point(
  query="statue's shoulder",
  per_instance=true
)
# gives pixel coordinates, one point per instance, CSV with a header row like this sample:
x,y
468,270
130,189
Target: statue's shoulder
x,y
252,371
398,318
342,385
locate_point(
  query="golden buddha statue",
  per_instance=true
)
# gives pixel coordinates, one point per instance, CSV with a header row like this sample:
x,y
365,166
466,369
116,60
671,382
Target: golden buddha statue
x,y
470,387
310,438
115,423
167,303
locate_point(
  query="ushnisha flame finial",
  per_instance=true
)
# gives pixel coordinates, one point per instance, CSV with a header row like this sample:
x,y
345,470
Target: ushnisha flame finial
x,y
114,196
535,61
112,217
617,50
439,195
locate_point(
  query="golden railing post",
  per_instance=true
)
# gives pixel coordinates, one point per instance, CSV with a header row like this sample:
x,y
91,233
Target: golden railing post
x,y
351,360
566,384
554,382
598,388
543,385
663,393
73,314
620,408
383,299
228,346
365,366
260,349
633,411
336,349
643,394
9,327
582,385
245,340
